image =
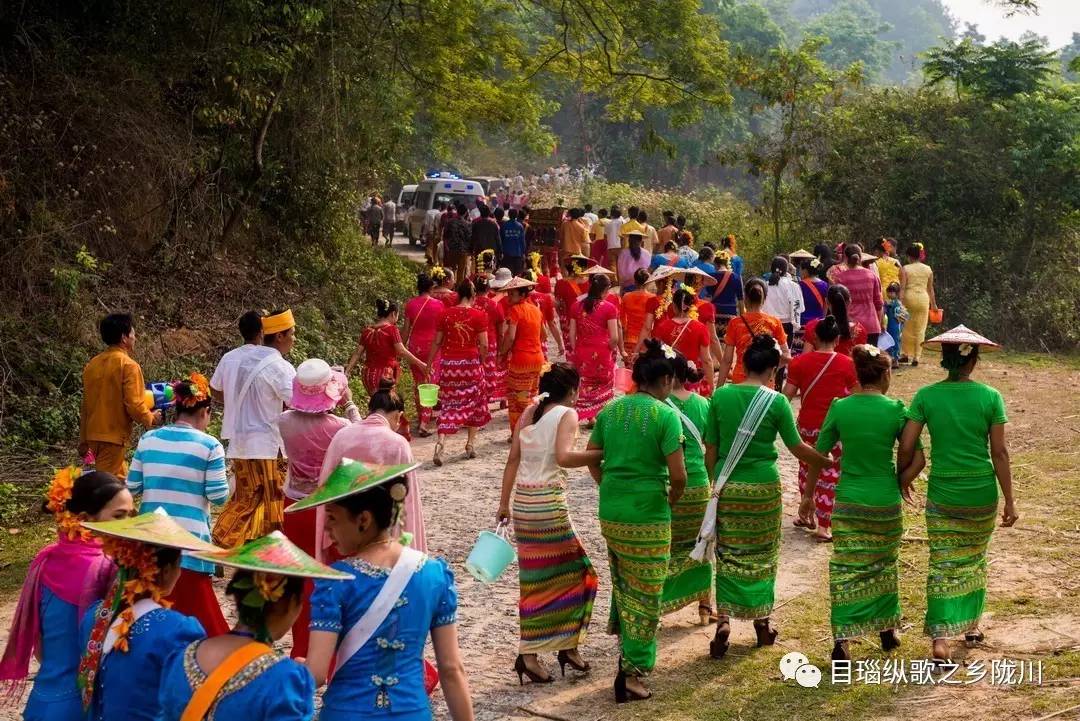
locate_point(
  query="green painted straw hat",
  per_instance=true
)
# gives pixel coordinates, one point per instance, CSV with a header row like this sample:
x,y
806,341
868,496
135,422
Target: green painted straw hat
x,y
275,554
157,528
348,479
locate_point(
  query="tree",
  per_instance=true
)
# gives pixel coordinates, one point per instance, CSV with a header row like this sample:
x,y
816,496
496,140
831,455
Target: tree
x,y
1006,68
953,61
1069,53
853,30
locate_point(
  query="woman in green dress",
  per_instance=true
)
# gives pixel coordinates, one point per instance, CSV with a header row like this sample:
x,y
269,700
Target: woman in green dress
x,y
867,517
641,477
967,454
750,505
689,580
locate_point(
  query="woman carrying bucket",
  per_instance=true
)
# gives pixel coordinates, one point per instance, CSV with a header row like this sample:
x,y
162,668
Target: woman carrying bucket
x,y
558,583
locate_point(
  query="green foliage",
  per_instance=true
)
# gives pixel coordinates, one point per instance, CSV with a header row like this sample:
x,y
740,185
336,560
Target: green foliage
x,y
854,31
993,71
992,188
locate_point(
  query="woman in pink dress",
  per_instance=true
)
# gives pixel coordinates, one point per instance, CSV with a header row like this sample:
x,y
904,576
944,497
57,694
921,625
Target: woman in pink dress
x,y
422,315
374,441
494,372
864,286
594,340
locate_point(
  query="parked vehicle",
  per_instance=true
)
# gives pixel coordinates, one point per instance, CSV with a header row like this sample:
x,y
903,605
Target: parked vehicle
x,y
405,200
432,191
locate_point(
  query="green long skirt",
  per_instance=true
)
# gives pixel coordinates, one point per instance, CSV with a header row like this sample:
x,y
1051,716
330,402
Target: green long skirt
x,y
747,548
867,525
688,581
636,525
960,514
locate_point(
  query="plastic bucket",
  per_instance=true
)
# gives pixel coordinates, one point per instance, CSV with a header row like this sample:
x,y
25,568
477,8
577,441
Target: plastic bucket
x,y
429,394
936,316
624,380
490,556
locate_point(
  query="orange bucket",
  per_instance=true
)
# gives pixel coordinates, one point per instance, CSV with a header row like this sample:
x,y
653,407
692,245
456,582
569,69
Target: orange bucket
x,y
936,315
624,380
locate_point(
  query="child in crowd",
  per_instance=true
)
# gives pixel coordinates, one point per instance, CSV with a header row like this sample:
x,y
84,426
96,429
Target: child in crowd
x,y
896,315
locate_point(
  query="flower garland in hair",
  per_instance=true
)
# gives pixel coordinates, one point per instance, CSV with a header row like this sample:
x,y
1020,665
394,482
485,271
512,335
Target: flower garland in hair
x,y
137,576
438,273
56,499
871,350
260,589
965,349
485,260
196,390
692,313
534,263
665,299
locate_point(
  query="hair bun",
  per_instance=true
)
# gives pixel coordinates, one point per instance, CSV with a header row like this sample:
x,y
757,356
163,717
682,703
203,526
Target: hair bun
x,y
763,341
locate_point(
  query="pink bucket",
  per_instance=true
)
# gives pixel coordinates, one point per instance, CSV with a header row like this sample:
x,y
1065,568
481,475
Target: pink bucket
x,y
624,381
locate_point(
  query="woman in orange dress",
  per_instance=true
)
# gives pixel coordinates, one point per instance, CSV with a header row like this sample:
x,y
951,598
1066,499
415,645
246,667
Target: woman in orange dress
x,y
633,311
742,329
687,335
521,346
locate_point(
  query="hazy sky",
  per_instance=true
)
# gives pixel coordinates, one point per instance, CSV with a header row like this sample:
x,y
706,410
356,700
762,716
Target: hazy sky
x,y
1057,19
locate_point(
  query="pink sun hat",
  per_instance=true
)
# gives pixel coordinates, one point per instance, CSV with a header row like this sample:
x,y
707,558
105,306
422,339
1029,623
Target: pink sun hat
x,y
317,388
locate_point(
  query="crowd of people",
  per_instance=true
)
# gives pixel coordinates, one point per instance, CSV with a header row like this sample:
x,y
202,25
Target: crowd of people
x,y
681,370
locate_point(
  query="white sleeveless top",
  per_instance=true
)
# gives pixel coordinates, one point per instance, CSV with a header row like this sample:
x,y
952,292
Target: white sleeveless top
x,y
538,468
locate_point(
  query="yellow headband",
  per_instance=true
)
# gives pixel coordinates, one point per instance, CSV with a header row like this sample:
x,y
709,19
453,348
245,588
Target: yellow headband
x,y
277,323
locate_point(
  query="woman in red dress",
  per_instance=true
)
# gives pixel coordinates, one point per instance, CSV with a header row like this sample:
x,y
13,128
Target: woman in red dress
x,y
380,346
463,343
444,286
567,291
687,335
820,376
494,371
594,340
422,315
852,332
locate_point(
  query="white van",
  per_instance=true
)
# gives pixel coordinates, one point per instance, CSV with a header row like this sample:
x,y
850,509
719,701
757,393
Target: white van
x,y
431,192
405,200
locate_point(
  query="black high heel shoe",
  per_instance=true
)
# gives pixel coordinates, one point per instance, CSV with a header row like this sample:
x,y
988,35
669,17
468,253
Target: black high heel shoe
x,y
719,645
889,640
623,694
563,657
973,637
765,636
840,651
523,670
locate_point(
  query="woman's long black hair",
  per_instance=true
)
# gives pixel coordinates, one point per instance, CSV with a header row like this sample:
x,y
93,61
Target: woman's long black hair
x,y
652,364
559,382
838,299
598,286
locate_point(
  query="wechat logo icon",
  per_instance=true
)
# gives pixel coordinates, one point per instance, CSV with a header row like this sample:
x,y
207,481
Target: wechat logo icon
x,y
795,665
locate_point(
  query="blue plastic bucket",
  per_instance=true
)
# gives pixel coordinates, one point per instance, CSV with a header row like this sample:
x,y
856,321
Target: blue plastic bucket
x,y
490,556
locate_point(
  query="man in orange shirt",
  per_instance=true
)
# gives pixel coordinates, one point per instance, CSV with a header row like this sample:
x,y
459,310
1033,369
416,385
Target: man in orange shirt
x,y
113,399
575,240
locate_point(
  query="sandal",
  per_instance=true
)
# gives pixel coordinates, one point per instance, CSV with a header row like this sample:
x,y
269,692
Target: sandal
x,y
808,525
624,694
765,636
437,460
423,432
840,651
706,615
469,452
889,640
719,644
523,671
973,638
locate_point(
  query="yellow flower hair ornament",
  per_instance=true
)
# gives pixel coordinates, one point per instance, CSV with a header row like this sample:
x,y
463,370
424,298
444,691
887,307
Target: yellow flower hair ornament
x,y
534,263
192,391
438,273
665,300
56,499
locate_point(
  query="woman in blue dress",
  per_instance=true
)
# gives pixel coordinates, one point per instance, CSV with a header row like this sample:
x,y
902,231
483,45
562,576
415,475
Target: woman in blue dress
x,y
127,637
378,648
61,581
239,675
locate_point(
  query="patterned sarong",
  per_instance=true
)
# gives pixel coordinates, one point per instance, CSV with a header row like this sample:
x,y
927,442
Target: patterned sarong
x,y
747,548
495,372
462,395
558,583
825,490
256,507
960,516
687,581
597,367
862,570
522,384
638,556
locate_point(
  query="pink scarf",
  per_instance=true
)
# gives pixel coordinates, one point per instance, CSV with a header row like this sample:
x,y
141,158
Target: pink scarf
x,y
77,572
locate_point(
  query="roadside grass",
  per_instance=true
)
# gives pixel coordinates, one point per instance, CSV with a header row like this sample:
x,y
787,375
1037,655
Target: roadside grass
x,y
18,550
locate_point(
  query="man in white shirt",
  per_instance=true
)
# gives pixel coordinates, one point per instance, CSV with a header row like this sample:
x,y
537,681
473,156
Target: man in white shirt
x,y
613,236
590,216
255,382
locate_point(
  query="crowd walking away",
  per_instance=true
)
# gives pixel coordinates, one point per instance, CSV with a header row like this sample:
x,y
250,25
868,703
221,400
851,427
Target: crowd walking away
x,y
651,361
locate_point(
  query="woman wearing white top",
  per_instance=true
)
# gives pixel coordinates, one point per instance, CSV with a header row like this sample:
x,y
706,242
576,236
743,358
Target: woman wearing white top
x,y
558,583
784,301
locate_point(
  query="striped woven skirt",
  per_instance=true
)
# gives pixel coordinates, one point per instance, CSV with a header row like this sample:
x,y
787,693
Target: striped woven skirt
x,y
960,516
558,583
868,522
636,526
597,368
688,581
462,395
522,384
825,490
747,548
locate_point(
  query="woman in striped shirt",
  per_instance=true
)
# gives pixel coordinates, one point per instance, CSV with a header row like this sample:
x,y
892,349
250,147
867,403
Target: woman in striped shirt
x,y
181,469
